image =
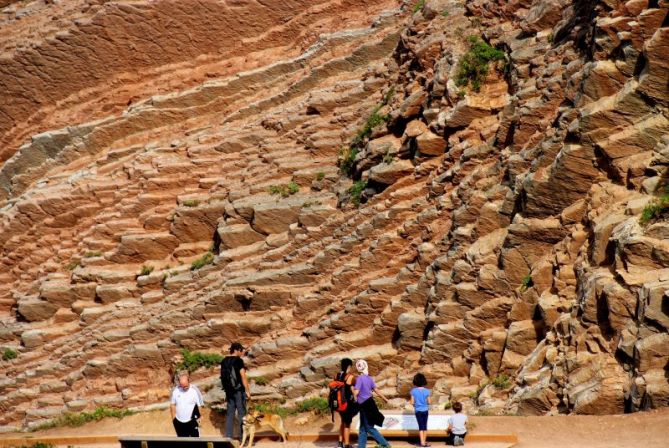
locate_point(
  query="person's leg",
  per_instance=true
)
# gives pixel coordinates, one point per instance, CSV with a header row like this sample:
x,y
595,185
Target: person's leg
x,y
341,430
241,411
230,416
193,430
347,434
362,432
372,431
450,439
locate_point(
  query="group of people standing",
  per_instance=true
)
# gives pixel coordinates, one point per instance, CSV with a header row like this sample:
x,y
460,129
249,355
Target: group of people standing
x,y
186,398
360,391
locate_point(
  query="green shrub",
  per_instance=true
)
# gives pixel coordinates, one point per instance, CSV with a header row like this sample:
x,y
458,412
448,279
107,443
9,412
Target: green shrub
x,y
655,209
418,6
273,408
74,419
473,66
284,190
356,190
317,405
260,380
146,270
190,203
444,13
320,176
207,258
9,354
501,381
388,158
194,360
93,253
448,405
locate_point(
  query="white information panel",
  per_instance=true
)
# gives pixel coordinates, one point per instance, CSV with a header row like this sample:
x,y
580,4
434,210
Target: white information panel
x,y
406,421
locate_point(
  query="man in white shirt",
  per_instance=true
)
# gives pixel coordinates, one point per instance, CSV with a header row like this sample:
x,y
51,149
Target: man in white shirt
x,y
184,407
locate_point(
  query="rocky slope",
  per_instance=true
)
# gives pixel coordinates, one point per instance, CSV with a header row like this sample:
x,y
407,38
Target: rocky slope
x,y
498,246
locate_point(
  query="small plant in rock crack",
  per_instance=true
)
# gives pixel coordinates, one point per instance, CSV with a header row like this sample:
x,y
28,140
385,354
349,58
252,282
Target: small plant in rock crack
x,y
146,270
284,190
320,176
474,64
190,203
8,354
418,6
92,254
526,283
207,258
388,158
260,380
501,381
356,190
655,209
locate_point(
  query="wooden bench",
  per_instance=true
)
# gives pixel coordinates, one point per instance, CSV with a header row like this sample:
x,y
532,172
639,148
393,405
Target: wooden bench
x,y
176,442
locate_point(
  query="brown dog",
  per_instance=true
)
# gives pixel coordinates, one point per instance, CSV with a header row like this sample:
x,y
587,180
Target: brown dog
x,y
255,420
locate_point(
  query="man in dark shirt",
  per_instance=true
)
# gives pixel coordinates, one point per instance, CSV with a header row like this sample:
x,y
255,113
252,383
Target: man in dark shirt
x,y
236,386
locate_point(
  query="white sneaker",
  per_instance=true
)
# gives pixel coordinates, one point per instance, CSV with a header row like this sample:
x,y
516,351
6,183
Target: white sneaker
x,y
458,441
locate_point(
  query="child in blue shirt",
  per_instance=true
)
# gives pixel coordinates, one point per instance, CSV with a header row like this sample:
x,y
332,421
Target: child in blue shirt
x,y
421,401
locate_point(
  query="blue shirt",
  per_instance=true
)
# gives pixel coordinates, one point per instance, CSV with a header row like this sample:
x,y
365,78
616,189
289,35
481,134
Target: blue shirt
x,y
420,395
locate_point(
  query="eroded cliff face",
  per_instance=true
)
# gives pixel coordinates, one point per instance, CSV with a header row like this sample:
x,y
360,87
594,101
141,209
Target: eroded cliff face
x,y
498,244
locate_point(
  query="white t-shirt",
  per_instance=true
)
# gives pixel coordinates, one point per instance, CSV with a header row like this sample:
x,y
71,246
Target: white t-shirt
x,y
458,421
185,400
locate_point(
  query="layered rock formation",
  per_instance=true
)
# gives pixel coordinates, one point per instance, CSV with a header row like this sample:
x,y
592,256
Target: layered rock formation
x,y
368,197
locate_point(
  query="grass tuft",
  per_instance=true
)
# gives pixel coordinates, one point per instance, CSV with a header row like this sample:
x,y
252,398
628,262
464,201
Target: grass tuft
x,y
8,354
207,258
284,190
654,210
501,381
146,270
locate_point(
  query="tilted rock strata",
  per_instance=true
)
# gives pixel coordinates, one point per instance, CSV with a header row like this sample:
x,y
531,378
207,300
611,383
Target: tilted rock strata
x,y
498,235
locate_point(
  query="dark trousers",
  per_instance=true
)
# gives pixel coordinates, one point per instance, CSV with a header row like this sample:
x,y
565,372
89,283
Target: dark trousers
x,y
236,404
450,439
187,429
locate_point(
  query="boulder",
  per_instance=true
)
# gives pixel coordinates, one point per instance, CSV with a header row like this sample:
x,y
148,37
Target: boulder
x,y
389,173
143,247
237,235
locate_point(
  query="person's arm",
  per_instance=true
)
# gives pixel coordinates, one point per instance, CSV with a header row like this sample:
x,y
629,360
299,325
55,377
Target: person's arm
x,y
173,406
429,397
376,391
245,382
412,401
450,425
356,389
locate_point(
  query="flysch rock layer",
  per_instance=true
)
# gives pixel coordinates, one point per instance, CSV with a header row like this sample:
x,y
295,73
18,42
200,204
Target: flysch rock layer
x,y
497,246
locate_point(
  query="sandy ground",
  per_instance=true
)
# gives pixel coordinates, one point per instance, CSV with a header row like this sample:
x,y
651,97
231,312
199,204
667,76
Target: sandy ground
x,y
647,429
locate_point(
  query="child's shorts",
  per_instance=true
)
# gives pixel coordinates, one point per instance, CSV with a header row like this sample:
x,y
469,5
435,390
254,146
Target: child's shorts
x,y
421,418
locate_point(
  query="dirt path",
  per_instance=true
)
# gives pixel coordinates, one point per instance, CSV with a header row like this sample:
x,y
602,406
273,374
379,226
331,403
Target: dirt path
x,y
647,428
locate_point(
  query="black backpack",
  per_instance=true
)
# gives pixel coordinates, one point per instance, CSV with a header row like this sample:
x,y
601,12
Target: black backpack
x,y
229,379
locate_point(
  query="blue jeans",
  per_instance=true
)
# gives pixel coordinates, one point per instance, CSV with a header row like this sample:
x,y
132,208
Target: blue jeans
x,y
367,428
236,402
